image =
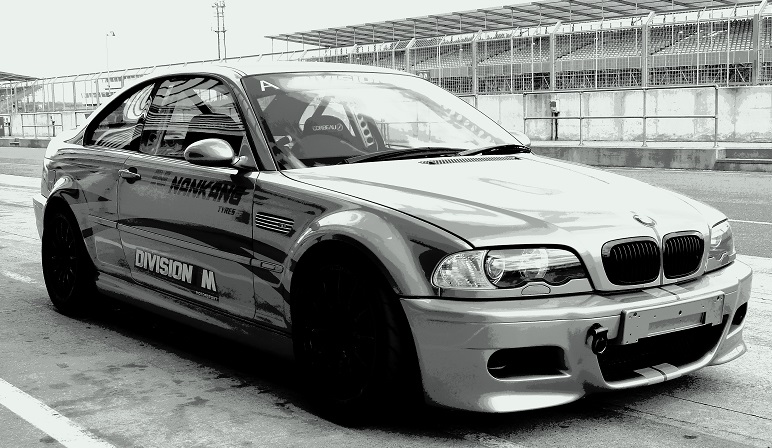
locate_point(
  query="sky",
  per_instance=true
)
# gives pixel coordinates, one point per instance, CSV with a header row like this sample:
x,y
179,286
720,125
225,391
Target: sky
x,y
45,38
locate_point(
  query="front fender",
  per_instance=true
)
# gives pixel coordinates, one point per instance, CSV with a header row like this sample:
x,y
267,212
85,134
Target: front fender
x,y
406,250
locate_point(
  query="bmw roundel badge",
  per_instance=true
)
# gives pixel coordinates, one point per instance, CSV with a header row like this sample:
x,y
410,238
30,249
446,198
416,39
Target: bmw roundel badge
x,y
645,220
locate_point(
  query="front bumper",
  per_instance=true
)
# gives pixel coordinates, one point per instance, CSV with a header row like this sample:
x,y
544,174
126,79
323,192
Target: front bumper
x,y
455,340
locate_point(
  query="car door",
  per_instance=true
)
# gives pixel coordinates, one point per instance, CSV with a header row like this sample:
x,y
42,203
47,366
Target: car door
x,y
107,142
185,228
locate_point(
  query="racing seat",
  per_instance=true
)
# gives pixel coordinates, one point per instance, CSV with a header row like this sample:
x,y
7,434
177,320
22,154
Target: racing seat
x,y
214,126
326,140
328,125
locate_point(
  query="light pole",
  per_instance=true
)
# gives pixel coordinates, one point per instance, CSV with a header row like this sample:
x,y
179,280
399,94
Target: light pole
x,y
107,51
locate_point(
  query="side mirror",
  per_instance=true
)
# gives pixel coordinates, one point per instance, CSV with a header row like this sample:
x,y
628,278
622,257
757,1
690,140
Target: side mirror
x,y
211,152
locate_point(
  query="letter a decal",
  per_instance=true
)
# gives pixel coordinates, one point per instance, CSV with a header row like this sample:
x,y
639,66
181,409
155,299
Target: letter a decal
x,y
265,84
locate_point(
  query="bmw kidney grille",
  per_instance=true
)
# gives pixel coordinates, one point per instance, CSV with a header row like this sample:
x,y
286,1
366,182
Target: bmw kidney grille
x,y
638,262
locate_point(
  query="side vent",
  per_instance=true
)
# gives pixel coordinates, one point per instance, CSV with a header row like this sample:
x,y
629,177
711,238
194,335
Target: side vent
x,y
274,223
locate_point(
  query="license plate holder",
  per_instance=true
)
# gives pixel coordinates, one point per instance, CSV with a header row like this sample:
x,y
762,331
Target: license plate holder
x,y
651,321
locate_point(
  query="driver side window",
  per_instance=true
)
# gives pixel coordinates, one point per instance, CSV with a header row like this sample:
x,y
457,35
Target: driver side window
x,y
186,110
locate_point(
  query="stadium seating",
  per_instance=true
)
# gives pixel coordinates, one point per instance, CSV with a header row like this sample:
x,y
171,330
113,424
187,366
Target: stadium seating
x,y
710,39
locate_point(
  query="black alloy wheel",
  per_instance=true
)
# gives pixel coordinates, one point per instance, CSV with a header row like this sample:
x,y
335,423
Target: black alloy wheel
x,y
68,273
349,341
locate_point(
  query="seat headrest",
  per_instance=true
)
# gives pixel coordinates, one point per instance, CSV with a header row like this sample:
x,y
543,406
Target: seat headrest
x,y
326,124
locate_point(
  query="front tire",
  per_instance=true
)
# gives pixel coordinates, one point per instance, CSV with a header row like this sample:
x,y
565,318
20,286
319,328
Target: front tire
x,y
351,341
67,268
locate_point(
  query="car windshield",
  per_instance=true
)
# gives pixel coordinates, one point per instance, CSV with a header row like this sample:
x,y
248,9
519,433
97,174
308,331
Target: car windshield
x,y
318,119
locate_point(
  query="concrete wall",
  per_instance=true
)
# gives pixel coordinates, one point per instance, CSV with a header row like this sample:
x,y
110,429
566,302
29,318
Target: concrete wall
x,y
745,114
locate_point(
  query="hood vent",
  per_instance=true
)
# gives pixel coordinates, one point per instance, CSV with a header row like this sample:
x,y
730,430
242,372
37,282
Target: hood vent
x,y
468,160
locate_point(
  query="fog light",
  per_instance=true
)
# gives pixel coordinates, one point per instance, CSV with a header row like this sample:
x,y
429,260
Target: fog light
x,y
739,315
527,361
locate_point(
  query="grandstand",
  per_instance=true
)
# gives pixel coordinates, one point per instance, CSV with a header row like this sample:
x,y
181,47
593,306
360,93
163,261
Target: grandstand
x,y
563,44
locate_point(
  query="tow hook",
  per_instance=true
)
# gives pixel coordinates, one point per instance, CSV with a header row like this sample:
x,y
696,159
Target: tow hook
x,y
597,337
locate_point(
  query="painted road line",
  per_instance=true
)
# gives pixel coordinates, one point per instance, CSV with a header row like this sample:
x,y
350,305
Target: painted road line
x,y
764,223
64,430
18,277
20,181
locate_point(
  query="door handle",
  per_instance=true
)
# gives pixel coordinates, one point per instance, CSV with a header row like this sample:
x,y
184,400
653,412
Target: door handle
x,y
130,174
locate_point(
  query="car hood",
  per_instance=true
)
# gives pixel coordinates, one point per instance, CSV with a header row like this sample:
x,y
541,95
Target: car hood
x,y
524,199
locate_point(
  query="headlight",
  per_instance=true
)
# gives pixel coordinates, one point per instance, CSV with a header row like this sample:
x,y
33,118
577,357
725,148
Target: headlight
x,y
508,268
721,246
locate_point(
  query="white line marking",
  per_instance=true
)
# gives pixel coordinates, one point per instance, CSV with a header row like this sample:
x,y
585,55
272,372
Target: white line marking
x,y
18,277
752,222
46,419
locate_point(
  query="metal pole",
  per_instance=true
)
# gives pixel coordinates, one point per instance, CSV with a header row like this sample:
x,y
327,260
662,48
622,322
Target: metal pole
x,y
581,119
107,50
645,92
715,118
525,111
698,49
224,47
512,65
728,36
217,31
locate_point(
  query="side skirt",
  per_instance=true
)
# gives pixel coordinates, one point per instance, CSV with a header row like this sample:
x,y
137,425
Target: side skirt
x,y
213,321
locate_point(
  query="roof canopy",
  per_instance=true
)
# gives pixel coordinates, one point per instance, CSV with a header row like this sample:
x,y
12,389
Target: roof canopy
x,y
522,15
5,76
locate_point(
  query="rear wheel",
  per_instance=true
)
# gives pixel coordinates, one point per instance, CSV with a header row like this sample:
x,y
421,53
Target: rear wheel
x,y
67,269
351,341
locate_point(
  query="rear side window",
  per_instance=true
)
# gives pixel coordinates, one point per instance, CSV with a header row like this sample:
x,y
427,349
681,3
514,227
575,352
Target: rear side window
x,y
121,127
187,110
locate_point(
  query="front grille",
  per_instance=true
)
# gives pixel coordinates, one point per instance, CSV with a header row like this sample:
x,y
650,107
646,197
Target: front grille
x,y
631,262
682,255
678,348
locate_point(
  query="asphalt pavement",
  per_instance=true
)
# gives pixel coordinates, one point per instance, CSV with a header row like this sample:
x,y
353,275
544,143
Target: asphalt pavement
x,y
121,377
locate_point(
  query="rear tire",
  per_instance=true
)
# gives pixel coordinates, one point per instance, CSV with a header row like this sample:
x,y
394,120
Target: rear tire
x,y
67,268
351,340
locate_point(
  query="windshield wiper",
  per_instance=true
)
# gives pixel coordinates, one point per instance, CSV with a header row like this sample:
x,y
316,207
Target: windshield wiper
x,y
498,149
396,154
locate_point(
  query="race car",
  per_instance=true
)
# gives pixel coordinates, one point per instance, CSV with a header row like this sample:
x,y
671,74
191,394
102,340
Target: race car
x,y
387,236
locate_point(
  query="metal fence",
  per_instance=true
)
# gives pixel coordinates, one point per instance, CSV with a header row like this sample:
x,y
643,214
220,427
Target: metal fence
x,y
731,46
585,117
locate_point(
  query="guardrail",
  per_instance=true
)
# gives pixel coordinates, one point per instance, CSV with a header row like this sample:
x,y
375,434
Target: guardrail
x,y
644,117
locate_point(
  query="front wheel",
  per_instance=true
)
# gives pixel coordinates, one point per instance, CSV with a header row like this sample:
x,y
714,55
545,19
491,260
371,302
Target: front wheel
x,y
67,269
350,341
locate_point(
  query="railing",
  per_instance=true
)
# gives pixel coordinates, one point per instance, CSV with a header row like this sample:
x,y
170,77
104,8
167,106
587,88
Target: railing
x,y
644,116
41,124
